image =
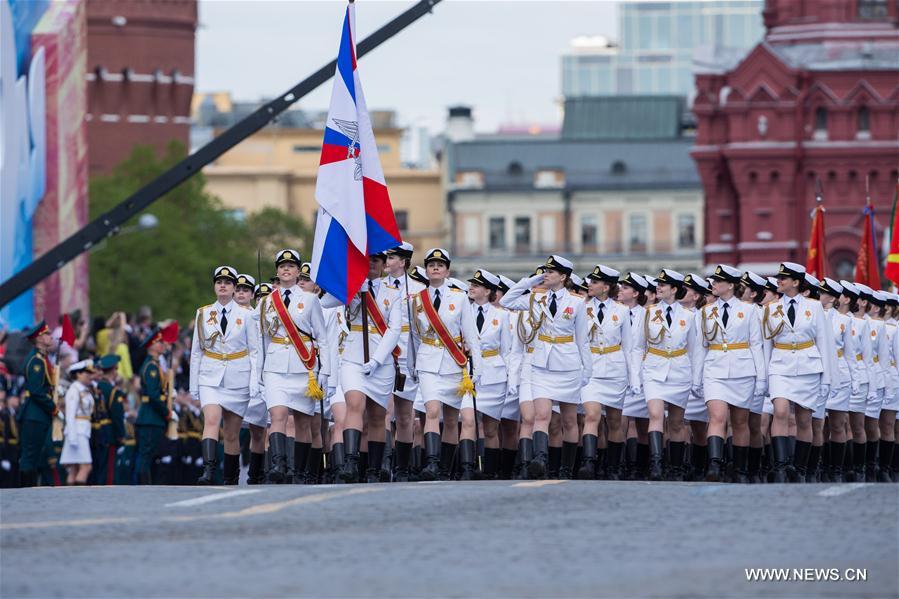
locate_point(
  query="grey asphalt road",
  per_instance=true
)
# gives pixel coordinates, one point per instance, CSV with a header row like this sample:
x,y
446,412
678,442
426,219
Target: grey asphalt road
x,y
481,539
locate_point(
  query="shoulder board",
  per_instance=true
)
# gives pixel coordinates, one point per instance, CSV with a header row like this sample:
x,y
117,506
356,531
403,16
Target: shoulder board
x,y
206,306
456,290
619,303
689,309
890,324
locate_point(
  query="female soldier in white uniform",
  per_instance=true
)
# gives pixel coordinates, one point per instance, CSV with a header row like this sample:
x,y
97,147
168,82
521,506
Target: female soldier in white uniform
x,y
858,398
256,417
611,341
799,342
845,381
294,373
511,414
665,352
696,414
443,328
755,292
368,384
79,405
223,373
632,293
731,371
561,362
890,407
495,337
881,349
398,263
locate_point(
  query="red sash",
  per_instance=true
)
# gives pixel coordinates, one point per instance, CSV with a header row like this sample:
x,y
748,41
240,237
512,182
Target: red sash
x,y
375,314
454,350
306,355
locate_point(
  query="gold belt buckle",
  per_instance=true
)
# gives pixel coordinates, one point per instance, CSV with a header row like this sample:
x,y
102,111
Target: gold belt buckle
x,y
793,345
724,346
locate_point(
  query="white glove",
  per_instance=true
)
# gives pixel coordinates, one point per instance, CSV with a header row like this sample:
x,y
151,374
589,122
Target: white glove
x,y
637,389
174,416
368,367
512,390
824,391
73,442
254,388
535,280
761,387
323,381
855,387
585,377
196,396
476,379
698,391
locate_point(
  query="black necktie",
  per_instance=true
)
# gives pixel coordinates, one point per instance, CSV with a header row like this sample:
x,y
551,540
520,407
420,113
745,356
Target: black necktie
x,y
371,289
287,298
224,321
601,313
791,312
436,299
396,283
480,319
724,316
552,306
668,316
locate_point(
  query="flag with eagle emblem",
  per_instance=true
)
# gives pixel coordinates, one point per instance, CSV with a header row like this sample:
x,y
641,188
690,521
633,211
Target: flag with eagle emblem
x,y
355,216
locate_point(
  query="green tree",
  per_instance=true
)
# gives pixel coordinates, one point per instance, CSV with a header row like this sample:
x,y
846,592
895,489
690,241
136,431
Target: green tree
x,y
169,267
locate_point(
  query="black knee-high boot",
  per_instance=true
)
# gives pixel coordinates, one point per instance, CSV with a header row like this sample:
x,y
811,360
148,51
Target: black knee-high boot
x,y
676,451
524,456
553,462
447,455
837,454
800,460
467,451
698,456
630,458
491,462
781,451
871,461
375,457
507,463
403,455
755,464
209,447
349,473
885,461
642,461
314,466
587,471
300,459
256,473
858,461
715,471
231,475
613,469
741,464
655,455
277,444
431,469
536,467
814,457
568,455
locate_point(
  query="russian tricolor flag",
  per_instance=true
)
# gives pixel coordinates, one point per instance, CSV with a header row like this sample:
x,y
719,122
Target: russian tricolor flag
x,y
355,217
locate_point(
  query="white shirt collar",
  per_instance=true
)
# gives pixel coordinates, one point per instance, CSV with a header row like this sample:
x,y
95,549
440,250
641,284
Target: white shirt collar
x,y
786,300
375,284
443,289
228,307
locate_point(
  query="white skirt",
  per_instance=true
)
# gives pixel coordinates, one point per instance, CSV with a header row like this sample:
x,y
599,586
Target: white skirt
x,y
257,411
873,406
563,386
801,389
511,409
675,394
233,400
768,406
696,410
419,404
891,400
76,455
757,406
410,388
491,399
737,392
858,402
441,387
608,392
839,399
820,408
635,405
288,390
378,385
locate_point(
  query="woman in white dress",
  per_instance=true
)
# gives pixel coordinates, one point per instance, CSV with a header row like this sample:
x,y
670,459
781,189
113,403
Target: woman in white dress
x,y
79,405
835,301
560,364
665,352
511,414
696,414
632,290
881,348
890,407
731,370
495,338
858,398
223,373
611,341
799,341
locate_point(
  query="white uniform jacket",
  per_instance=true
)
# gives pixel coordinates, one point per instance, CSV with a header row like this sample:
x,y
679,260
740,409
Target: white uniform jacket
x,y
666,353
561,343
880,350
731,351
305,310
495,339
79,407
848,363
455,313
611,341
228,359
804,347
864,358
399,283
379,348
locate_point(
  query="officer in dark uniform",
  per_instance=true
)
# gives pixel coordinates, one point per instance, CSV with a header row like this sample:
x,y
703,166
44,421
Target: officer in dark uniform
x,y
112,424
153,415
39,408
100,425
9,437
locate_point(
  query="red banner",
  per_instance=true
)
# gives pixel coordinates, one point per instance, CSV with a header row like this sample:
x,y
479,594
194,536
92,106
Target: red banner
x,y
892,268
814,262
866,267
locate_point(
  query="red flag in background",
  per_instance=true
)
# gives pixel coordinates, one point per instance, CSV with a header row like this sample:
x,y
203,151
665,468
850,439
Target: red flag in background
x,y
814,262
170,332
866,266
68,331
892,268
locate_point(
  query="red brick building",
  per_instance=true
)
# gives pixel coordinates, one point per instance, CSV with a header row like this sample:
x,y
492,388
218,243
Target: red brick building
x,y
818,98
140,80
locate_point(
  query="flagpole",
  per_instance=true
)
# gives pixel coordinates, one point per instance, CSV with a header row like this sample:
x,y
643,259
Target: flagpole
x,y
364,296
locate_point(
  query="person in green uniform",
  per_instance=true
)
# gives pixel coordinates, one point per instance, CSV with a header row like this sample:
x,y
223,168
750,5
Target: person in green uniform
x,y
39,409
153,414
112,425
